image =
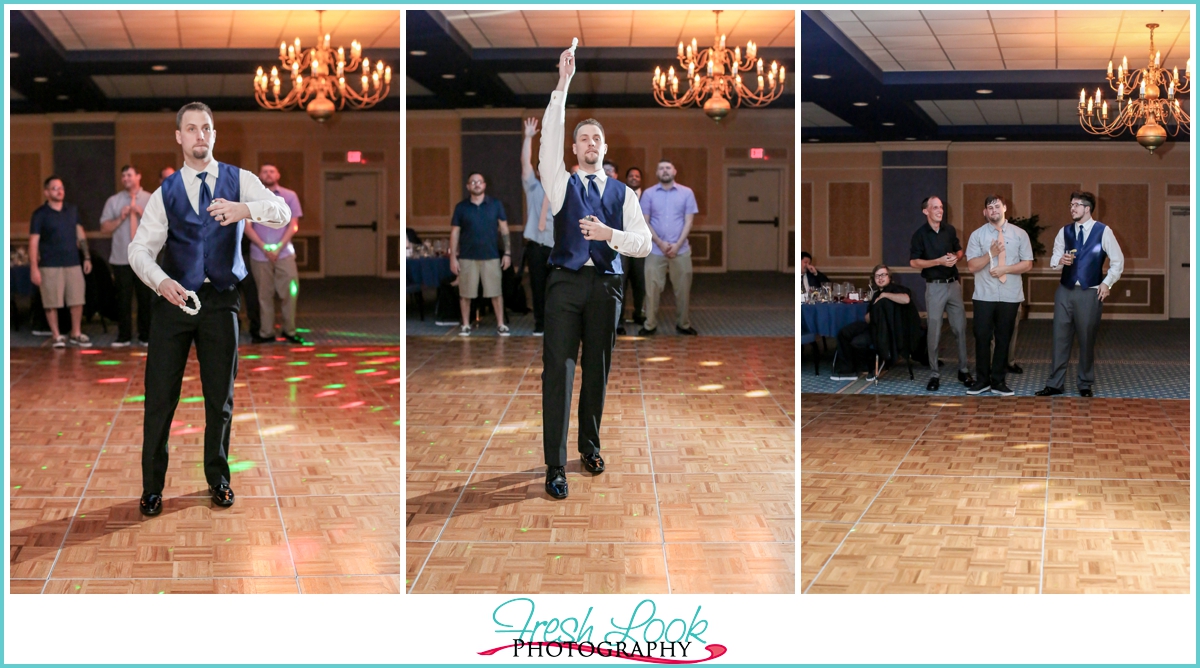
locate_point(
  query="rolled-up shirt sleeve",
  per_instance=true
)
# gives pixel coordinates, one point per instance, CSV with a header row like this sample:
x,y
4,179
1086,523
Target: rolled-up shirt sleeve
x,y
266,208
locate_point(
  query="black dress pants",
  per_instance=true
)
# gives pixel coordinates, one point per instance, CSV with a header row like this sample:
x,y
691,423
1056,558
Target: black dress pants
x,y
249,289
993,319
129,287
537,255
854,349
214,330
581,307
635,286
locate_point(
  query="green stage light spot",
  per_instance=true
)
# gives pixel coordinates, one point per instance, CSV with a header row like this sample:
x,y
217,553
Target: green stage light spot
x,y
294,379
302,330
251,357
323,354
337,386
191,400
108,363
294,288
297,363
140,397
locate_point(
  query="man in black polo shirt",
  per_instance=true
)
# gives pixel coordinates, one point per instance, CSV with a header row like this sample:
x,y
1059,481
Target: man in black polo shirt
x,y
474,257
935,250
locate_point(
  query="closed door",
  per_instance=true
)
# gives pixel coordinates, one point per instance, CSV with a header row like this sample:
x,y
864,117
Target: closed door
x,y
753,220
1181,268
351,224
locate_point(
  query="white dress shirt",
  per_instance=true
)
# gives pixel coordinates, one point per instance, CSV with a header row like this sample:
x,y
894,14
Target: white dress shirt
x,y
1116,260
266,208
634,240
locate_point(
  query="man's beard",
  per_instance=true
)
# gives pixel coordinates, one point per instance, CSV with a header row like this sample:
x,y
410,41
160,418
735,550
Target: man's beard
x,y
666,179
200,152
590,159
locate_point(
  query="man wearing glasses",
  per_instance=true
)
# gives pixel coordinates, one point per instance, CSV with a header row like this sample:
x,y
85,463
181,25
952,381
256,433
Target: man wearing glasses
x,y
997,253
935,250
1080,250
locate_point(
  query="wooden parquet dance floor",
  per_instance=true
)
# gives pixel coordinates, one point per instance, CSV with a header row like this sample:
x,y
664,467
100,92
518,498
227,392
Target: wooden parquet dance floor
x,y
314,453
1022,495
699,493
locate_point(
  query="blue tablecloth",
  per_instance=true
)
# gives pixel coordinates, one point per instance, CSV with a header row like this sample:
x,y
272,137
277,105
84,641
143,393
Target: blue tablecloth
x,y
426,272
829,318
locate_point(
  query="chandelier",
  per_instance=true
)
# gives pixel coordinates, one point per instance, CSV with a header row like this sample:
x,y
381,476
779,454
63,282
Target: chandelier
x,y
318,77
716,74
1140,102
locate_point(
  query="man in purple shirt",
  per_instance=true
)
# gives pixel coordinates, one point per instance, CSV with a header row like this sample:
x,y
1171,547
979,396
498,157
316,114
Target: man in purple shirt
x,y
669,208
273,262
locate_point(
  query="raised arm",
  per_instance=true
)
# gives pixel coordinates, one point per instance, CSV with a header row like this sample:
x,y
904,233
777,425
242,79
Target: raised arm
x,y
531,128
550,154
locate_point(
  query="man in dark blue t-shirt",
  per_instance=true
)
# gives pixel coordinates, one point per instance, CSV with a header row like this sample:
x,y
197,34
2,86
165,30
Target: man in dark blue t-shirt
x,y
474,257
56,240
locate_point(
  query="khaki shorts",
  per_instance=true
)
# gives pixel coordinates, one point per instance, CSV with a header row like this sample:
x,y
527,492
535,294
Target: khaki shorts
x,y
62,284
471,272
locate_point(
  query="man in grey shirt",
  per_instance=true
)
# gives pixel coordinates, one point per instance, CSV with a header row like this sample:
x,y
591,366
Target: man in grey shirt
x,y
997,253
539,229
121,215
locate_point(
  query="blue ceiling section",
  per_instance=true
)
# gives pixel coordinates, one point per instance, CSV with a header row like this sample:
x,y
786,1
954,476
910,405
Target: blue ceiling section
x,y
892,97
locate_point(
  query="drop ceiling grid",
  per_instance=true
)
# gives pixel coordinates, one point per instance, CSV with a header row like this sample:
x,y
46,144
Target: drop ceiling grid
x,y
940,40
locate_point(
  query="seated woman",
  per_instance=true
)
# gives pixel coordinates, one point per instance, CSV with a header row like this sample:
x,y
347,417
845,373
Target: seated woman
x,y
855,340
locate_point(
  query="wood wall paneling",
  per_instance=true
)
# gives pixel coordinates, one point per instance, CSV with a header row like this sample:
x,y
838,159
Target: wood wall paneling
x,y
1178,190
308,253
972,208
707,247
1125,207
25,183
1052,203
431,182
806,217
791,256
151,165
849,219
393,252
691,167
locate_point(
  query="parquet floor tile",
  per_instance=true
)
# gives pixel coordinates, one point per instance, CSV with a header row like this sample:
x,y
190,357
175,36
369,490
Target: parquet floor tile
x,y
732,568
1117,562
343,534
818,542
1009,502
912,559
1112,460
446,449
822,454
1119,504
977,458
837,497
316,430
738,450
728,507
528,568
847,425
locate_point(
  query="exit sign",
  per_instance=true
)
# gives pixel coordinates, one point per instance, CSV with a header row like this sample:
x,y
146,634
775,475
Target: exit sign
x,y
757,154
354,156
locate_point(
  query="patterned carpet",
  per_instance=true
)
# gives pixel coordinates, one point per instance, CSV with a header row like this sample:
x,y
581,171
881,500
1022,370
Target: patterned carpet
x,y
732,304
1133,360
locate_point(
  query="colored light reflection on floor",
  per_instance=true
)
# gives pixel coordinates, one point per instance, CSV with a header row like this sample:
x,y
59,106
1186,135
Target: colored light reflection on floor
x,y
297,379
365,371
711,363
135,398
658,359
326,355
278,430
338,364
711,388
352,404
334,386
191,400
91,352
107,363
754,394
251,357
113,380
262,368
326,393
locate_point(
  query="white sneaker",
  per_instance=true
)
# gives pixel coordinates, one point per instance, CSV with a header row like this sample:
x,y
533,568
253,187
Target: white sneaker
x,y
120,344
502,330
40,332
60,341
82,341
538,332
837,377
445,323
465,330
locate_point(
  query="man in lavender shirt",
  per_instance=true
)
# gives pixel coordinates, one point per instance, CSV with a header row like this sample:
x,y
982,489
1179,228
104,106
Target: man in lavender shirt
x,y
668,208
273,262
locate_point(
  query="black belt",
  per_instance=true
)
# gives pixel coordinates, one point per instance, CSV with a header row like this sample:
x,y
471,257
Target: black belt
x,y
942,280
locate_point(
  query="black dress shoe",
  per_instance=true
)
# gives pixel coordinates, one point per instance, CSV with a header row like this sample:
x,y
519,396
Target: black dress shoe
x,y
592,463
255,338
151,504
221,495
688,331
621,330
1047,392
966,378
1015,368
556,482
295,338
1085,392
934,384
646,332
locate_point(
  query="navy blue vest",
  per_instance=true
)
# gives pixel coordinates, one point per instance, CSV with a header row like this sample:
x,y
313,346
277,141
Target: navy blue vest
x,y
199,247
571,249
1088,268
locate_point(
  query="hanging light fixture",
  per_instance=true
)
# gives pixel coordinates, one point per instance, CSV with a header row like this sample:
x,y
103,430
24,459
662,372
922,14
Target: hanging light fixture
x,y
714,78
318,78
1140,102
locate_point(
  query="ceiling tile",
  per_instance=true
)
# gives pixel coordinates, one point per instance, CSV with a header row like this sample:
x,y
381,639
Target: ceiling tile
x,y
867,43
898,28
1026,40
150,28
925,65
966,41
1016,64
1082,25
961,112
1023,25
1082,64
1028,54
840,15
853,29
909,42
414,89
1102,53
962,27
918,54
934,113
1022,13
1038,112
999,112
99,29
1076,39
812,115
889,15
973,54
942,14
977,64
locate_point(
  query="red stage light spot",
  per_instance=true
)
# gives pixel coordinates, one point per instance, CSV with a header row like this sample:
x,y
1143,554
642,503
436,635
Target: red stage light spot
x,y
90,352
113,380
377,373
352,404
348,350
262,368
302,350
337,364
327,393
394,381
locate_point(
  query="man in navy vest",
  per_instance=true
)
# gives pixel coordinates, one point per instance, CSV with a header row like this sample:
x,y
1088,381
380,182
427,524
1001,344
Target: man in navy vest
x,y
199,214
596,220
1080,249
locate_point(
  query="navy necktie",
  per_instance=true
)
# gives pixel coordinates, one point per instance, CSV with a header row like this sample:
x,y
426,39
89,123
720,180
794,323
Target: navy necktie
x,y
1079,236
205,196
591,196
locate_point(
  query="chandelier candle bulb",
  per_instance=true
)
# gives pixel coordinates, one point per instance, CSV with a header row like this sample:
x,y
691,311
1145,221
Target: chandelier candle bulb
x,y
326,40
282,49
1104,111
782,74
1081,96
387,75
1156,57
681,49
760,82
366,65
1110,69
1143,92
1120,91
1171,91
737,55
341,55
692,70
735,68
1175,74
760,65
722,41
1097,96
1089,108
1125,63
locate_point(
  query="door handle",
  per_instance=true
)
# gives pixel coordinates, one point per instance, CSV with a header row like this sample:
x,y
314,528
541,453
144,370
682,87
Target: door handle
x,y
1186,265
374,227
774,222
